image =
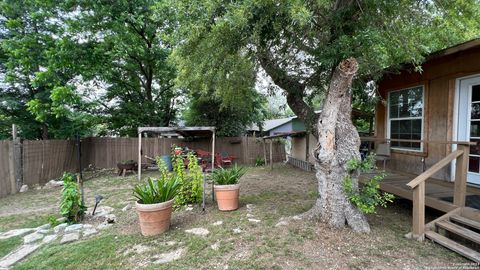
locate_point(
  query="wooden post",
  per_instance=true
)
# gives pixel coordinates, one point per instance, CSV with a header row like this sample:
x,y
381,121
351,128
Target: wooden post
x,y
419,212
271,154
213,150
213,164
307,146
139,156
265,152
16,162
461,176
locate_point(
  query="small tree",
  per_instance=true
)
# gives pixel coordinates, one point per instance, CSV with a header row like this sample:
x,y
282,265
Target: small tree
x,y
71,205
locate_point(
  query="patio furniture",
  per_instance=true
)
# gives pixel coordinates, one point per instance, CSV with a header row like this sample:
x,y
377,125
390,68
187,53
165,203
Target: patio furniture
x,y
226,159
383,153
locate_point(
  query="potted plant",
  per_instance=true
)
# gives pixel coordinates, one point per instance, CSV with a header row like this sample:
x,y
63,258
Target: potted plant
x,y
227,189
154,203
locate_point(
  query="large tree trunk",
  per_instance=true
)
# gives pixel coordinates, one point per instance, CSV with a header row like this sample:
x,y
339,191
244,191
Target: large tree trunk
x,y
338,142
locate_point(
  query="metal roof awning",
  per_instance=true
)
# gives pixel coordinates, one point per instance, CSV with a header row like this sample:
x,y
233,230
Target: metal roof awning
x,y
181,131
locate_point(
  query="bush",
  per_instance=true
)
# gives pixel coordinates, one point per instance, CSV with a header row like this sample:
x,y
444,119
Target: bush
x,y
190,190
71,205
157,190
230,176
369,197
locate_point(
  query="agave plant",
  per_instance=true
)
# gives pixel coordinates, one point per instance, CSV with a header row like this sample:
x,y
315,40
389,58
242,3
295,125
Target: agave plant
x,y
157,190
229,176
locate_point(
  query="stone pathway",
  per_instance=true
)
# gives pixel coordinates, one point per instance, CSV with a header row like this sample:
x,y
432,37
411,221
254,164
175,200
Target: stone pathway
x,y
34,238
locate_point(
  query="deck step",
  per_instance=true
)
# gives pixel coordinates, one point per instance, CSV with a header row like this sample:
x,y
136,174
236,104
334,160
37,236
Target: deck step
x,y
466,221
459,230
450,244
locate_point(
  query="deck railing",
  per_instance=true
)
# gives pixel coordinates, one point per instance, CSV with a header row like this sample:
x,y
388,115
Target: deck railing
x,y
461,155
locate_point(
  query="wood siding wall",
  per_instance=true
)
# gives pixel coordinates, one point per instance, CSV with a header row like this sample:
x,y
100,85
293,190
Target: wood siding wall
x,y
46,160
438,78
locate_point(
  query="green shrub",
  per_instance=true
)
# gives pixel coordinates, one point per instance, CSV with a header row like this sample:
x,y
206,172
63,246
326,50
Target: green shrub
x,y
229,176
71,205
157,190
259,161
369,196
190,190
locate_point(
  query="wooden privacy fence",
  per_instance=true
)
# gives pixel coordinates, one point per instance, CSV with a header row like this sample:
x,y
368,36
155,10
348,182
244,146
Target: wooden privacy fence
x,y
41,161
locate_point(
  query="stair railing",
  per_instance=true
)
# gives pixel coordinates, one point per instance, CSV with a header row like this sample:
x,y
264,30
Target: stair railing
x,y
460,186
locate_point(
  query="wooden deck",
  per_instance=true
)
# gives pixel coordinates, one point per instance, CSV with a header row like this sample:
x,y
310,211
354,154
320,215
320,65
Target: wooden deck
x,y
396,183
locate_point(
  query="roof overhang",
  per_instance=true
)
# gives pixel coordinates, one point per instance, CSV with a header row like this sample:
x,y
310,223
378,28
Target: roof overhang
x,y
286,134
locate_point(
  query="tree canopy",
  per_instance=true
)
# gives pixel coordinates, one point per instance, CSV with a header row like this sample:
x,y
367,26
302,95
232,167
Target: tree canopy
x,y
101,67
299,43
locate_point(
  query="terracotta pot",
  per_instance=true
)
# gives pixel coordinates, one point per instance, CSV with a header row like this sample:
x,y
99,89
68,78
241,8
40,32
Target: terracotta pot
x,y
227,196
154,218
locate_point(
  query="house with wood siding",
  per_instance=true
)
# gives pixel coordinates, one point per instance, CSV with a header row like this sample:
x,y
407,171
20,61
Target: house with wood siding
x,y
440,103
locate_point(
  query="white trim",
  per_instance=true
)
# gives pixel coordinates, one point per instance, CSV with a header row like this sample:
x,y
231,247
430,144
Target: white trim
x,y
407,118
455,118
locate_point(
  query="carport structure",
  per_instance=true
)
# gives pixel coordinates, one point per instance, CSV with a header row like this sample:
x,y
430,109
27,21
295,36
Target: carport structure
x,y
186,132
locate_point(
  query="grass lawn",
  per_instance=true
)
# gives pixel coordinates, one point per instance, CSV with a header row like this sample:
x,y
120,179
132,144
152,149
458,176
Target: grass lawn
x,y
283,192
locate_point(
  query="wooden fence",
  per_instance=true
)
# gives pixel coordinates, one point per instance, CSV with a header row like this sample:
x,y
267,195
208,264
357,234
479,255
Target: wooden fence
x,y
42,161
6,183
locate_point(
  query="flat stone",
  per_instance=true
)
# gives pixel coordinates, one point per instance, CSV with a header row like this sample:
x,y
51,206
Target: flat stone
x,y
45,231
188,208
61,220
16,232
33,237
60,227
101,211
70,237
73,228
198,231
49,238
281,223
53,184
169,256
104,226
217,223
24,188
250,206
297,218
254,220
237,230
250,215
87,226
17,255
43,227
126,208
89,232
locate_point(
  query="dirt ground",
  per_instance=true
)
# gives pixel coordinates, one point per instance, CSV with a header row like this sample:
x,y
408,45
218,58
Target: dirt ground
x,y
239,243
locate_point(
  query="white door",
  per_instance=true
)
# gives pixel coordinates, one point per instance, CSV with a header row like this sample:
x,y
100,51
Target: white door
x,y
468,122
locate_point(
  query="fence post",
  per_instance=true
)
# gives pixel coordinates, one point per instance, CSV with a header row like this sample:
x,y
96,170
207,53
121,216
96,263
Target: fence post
x,y
461,176
265,152
16,161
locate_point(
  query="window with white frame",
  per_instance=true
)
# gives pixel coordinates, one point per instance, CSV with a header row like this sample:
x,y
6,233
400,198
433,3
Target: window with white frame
x,y
405,117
